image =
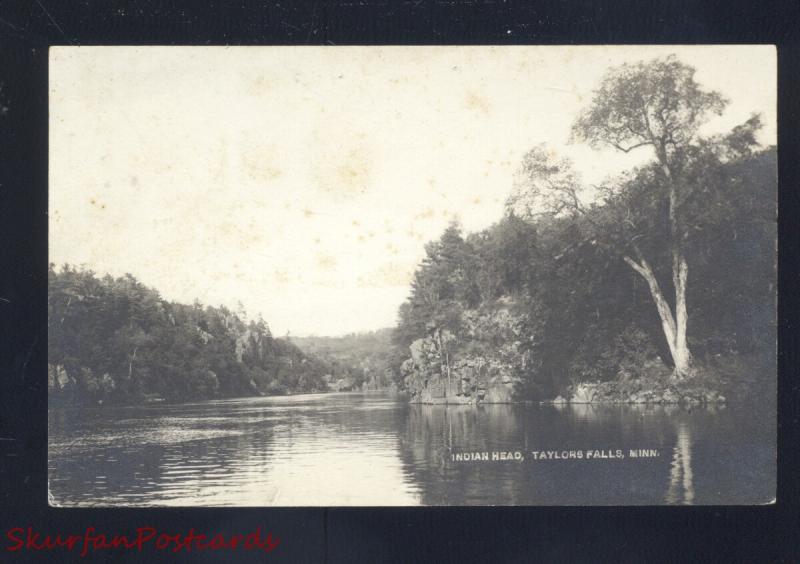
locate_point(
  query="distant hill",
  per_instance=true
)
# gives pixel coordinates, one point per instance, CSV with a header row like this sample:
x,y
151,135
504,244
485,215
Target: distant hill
x,y
360,357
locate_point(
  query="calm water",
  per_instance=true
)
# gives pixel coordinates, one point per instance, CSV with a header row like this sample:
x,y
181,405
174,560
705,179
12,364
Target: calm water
x,y
374,449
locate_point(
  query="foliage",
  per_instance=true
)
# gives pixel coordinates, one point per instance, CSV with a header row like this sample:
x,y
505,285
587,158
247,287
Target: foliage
x,y
118,341
648,218
655,103
585,315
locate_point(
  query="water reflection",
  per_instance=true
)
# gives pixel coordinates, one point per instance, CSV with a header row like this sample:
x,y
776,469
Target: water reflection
x,y
699,456
374,449
284,451
681,486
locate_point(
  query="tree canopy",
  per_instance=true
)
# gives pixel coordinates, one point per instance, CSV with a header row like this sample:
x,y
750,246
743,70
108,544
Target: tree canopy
x,y
116,340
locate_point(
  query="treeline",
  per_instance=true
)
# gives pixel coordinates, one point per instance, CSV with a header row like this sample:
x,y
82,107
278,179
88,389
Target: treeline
x,y
359,359
116,340
574,311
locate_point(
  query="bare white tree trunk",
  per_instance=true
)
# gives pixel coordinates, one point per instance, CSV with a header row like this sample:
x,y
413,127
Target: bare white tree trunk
x,y
674,326
682,356
664,311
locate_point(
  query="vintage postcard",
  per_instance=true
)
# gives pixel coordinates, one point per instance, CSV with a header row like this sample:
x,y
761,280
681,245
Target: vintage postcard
x,y
380,276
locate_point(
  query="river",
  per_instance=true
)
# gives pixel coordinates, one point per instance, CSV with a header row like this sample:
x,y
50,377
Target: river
x,y
374,449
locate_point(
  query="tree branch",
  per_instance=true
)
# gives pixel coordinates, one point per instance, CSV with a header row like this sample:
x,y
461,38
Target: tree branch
x,y
634,265
632,147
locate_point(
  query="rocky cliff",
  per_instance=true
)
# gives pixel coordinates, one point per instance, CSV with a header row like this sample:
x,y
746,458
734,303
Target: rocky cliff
x,y
470,381
478,363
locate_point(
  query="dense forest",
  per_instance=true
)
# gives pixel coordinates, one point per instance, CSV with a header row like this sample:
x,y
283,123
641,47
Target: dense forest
x,y
664,276
115,340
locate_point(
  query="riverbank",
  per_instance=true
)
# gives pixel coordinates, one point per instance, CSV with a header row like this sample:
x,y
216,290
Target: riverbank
x,y
80,388
715,382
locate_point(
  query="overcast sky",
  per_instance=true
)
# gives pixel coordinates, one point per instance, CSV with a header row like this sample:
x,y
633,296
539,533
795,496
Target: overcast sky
x,y
304,182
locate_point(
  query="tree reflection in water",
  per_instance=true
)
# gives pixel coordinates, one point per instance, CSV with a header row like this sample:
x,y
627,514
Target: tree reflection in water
x,y
376,449
681,487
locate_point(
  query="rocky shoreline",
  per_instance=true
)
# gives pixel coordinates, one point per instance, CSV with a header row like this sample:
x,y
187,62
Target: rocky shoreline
x,y
498,391
478,380
634,392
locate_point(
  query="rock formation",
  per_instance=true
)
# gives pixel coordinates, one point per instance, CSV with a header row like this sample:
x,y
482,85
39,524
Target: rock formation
x,y
467,367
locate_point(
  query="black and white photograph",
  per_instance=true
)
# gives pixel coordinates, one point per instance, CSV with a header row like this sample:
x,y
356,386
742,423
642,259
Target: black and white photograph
x,y
376,276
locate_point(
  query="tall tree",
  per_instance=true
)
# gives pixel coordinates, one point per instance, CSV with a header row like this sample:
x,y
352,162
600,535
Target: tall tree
x,y
659,105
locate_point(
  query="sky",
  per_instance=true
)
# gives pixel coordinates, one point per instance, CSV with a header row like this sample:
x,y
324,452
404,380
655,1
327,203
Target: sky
x,y
303,182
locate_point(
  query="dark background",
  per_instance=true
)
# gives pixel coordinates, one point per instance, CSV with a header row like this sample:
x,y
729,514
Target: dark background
x,y
725,534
